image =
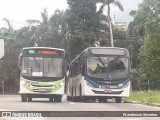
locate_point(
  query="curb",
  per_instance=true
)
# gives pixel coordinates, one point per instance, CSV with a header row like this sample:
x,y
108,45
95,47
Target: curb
x,y
144,103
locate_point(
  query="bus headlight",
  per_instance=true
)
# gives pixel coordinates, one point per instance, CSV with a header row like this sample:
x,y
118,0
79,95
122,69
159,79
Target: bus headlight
x,y
89,84
100,86
61,84
123,86
23,82
126,85
120,85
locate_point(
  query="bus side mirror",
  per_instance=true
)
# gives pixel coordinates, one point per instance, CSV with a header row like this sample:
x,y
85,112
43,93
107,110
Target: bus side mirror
x,y
20,62
66,67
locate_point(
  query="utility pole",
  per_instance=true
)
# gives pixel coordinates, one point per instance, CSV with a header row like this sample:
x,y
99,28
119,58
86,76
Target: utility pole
x,y
110,26
111,33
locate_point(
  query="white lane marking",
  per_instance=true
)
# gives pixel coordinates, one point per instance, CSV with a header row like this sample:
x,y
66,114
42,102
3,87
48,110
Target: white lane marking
x,y
72,103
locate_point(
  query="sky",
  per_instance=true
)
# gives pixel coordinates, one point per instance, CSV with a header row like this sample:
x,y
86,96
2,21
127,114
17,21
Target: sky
x,y
128,5
18,11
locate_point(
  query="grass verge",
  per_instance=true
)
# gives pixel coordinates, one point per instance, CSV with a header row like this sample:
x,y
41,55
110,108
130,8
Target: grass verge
x,y
144,97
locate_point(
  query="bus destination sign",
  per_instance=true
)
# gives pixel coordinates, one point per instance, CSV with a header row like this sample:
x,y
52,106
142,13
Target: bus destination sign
x,y
42,52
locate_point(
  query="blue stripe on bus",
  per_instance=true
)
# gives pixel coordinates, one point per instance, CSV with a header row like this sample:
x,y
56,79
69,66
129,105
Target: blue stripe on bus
x,y
95,85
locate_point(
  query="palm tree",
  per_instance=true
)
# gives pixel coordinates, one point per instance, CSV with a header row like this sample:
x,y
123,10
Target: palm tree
x,y
8,23
108,3
41,27
8,34
9,31
59,26
44,20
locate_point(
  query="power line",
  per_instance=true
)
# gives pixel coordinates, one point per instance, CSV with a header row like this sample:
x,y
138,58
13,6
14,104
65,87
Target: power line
x,y
94,33
75,36
84,32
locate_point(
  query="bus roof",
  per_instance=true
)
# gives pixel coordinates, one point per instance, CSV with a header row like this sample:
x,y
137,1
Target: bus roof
x,y
26,48
107,48
106,51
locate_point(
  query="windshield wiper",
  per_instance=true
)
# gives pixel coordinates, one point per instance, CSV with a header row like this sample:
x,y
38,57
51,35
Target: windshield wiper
x,y
37,63
101,61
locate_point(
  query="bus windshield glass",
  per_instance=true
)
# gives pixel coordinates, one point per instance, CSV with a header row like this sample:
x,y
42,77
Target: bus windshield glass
x,y
109,68
42,67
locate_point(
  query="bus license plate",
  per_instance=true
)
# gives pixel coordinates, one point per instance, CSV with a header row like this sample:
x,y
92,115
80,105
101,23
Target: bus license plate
x,y
113,86
107,90
42,89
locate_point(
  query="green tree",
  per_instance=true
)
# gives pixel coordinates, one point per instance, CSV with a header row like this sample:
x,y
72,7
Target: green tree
x,y
41,27
84,25
135,33
149,54
9,68
58,26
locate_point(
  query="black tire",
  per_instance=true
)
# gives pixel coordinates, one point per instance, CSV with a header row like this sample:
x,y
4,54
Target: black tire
x,y
102,100
29,99
81,98
76,99
118,99
69,98
50,99
58,98
24,98
72,97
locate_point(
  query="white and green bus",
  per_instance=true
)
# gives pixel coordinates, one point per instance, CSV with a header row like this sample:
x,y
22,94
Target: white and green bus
x,y
99,73
42,73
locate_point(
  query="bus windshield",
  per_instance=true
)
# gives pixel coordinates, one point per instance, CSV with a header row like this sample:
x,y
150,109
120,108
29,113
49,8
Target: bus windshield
x,y
42,67
111,67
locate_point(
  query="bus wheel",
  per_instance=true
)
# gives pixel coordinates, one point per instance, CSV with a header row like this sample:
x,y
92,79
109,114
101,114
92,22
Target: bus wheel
x,y
24,98
82,99
50,99
102,100
76,99
29,99
118,99
58,98
69,98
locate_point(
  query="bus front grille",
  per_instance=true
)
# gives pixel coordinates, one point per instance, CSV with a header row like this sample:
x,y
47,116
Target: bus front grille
x,y
105,92
109,82
42,85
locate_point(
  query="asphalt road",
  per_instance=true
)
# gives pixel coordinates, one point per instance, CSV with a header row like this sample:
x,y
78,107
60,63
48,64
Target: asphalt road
x,y
13,103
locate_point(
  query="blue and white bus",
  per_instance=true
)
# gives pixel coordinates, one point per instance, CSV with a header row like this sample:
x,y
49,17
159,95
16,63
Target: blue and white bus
x,y
42,73
99,73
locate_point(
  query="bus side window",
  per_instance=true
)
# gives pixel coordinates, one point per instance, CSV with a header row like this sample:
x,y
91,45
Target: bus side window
x,y
66,67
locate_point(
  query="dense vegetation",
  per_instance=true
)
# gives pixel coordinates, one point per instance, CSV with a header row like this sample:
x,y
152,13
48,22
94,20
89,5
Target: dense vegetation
x,y
82,25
